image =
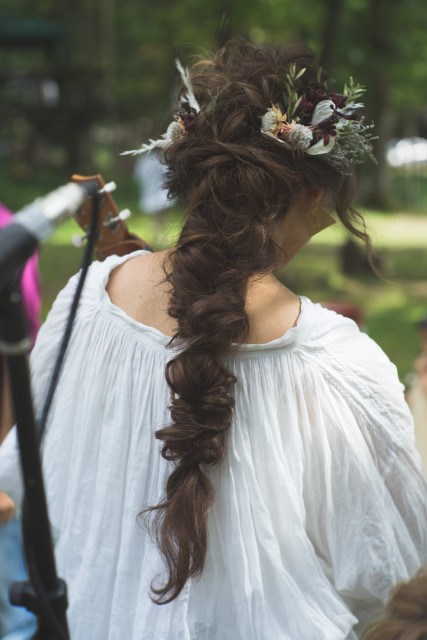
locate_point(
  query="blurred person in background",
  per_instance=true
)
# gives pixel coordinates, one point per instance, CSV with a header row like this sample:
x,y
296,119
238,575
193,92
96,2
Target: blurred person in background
x,y
153,197
417,394
15,622
262,442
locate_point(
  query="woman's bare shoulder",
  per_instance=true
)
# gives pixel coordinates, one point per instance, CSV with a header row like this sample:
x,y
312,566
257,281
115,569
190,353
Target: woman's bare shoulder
x,y
132,273
138,287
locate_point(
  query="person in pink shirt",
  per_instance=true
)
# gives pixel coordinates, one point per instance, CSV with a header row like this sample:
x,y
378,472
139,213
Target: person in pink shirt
x,y
31,293
15,622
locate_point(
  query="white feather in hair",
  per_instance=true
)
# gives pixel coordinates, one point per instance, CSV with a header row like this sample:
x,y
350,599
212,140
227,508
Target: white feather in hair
x,y
176,129
186,78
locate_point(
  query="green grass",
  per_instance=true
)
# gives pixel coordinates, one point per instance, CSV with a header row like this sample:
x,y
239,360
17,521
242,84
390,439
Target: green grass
x,y
391,308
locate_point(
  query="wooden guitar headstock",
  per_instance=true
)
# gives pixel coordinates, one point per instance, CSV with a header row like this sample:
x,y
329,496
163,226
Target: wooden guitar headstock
x,y
113,236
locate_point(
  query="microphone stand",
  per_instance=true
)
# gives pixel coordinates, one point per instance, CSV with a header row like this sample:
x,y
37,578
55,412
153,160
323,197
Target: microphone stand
x,y
44,594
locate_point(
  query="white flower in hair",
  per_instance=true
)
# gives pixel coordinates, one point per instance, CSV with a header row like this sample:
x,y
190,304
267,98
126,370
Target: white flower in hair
x,y
323,110
292,135
299,136
320,147
272,120
174,131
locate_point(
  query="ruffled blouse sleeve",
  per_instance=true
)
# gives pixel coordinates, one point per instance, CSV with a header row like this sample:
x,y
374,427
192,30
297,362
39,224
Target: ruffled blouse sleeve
x,y
365,486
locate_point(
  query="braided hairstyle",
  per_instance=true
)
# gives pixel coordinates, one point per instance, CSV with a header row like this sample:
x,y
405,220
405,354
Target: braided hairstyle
x,y
237,187
405,614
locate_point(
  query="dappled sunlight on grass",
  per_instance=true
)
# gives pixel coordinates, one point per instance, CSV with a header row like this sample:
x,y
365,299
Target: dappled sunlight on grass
x,y
386,230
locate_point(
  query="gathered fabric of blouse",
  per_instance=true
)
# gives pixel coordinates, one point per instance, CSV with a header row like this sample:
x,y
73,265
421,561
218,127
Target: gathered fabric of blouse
x,y
321,500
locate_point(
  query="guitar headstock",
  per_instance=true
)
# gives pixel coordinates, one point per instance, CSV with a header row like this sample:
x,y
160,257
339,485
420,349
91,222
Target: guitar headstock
x,y
112,236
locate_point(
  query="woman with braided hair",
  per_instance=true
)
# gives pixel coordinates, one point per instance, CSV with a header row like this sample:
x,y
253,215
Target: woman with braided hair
x,y
238,454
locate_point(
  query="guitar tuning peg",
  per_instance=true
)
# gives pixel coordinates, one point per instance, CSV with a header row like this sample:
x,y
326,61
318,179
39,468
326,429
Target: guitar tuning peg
x,y
123,215
109,187
78,241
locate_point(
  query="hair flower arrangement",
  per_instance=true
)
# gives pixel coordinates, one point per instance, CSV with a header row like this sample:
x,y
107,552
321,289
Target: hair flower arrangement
x,y
184,121
318,122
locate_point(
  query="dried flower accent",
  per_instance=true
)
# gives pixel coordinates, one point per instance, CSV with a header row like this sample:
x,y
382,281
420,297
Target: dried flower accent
x,y
184,121
324,123
187,120
174,132
272,121
293,136
315,121
299,136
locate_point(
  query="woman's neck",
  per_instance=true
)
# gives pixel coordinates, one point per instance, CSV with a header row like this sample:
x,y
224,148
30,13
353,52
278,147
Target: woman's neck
x,y
272,309
138,287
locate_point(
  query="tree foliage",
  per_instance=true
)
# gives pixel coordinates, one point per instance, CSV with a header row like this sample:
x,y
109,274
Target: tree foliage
x,y
126,49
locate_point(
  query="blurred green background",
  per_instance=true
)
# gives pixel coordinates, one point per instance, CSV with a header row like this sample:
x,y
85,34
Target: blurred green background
x,y
80,82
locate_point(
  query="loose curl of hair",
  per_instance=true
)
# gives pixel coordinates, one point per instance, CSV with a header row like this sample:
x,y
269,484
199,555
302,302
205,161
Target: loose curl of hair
x,y
405,615
237,187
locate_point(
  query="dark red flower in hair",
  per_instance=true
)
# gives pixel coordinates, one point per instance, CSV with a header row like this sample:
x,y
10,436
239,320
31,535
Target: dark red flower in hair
x,y
311,98
188,119
328,128
339,100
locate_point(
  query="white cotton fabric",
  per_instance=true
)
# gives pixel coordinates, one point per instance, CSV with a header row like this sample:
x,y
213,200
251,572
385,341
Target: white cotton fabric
x,y
321,501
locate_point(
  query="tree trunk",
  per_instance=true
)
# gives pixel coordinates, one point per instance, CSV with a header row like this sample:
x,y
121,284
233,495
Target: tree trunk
x,y
107,13
382,51
331,28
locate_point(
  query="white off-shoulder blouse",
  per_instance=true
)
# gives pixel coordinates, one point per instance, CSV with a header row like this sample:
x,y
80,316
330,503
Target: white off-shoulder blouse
x,y
321,501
